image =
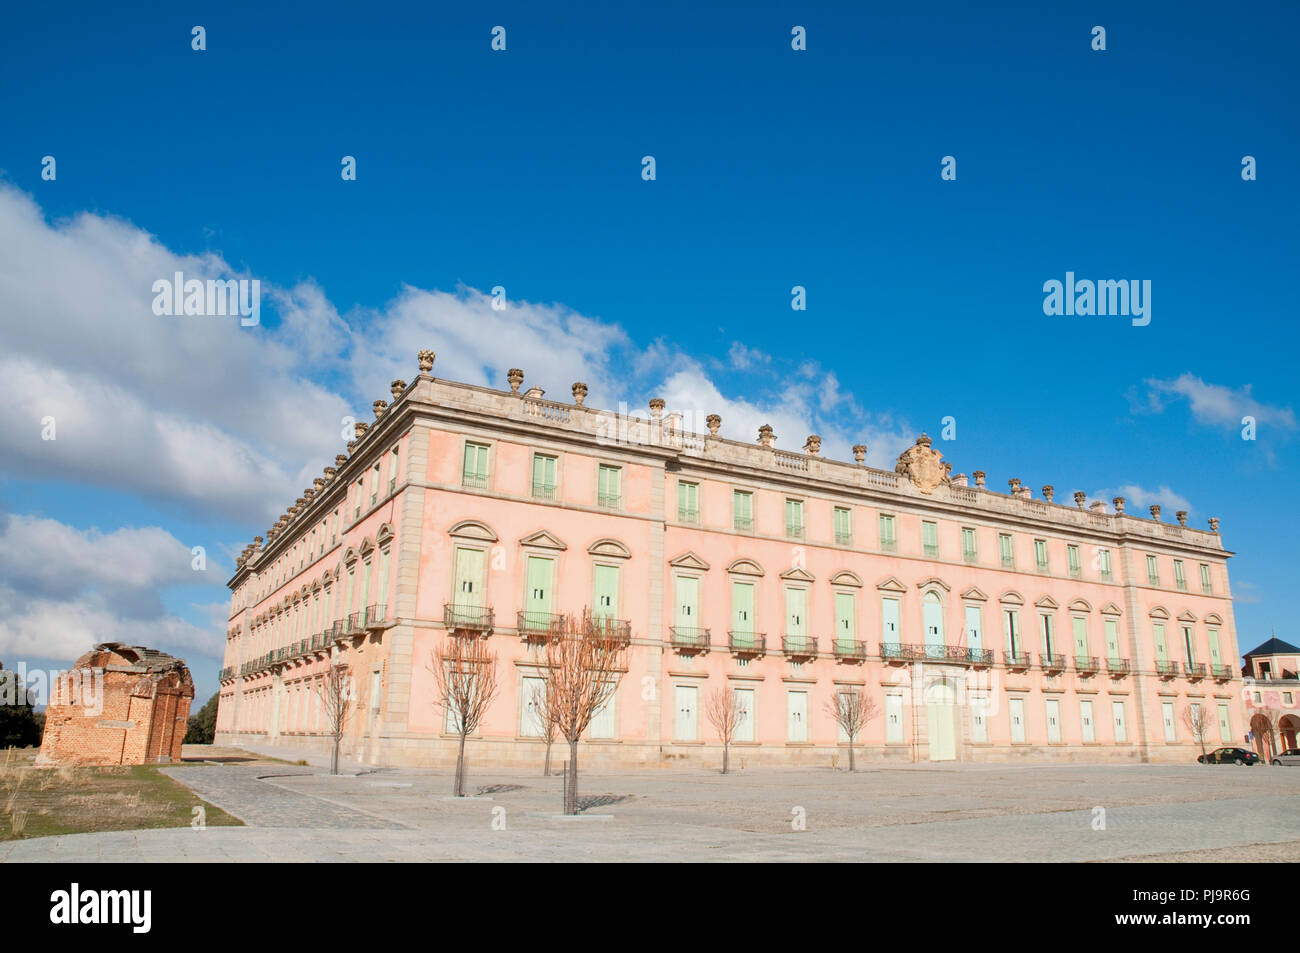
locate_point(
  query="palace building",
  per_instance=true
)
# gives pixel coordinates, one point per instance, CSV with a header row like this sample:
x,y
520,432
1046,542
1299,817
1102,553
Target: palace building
x,y
979,626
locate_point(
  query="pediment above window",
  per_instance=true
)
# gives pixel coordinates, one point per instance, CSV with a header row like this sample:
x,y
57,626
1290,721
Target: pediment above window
x,y
542,539
688,560
745,567
611,548
473,529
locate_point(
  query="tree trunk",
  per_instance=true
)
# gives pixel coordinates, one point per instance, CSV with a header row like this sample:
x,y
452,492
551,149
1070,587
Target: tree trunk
x,y
571,781
334,755
460,769
725,746
852,766
546,769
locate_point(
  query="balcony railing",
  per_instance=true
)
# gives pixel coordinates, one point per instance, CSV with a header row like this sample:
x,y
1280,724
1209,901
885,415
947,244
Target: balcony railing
x,y
475,620
743,524
888,545
688,514
1052,663
543,491
616,630
1166,669
475,481
1196,670
225,673
339,629
930,549
945,653
899,652
849,649
611,501
746,644
355,623
980,658
794,530
689,639
538,626
843,539
1016,659
799,646
376,616
1085,664
1117,666
1221,672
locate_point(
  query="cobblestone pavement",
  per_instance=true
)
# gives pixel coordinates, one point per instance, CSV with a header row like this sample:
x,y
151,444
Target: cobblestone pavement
x,y
912,813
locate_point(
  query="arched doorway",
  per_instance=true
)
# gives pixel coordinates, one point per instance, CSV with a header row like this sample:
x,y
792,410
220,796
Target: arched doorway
x,y
940,711
1262,737
1289,729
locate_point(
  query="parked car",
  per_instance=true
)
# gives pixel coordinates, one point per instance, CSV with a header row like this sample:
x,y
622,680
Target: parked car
x,y
1289,756
1229,756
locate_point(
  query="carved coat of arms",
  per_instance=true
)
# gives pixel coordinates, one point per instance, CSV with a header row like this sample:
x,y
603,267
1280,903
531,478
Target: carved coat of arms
x,y
923,465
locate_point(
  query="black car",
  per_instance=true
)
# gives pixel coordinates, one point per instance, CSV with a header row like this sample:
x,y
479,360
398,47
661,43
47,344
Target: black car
x,y
1229,756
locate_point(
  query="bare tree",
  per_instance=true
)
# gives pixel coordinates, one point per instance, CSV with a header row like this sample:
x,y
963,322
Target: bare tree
x,y
466,676
585,659
334,689
722,708
1197,721
546,718
851,709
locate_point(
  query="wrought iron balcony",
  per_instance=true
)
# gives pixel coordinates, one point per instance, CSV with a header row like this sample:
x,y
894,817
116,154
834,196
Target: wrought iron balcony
x,y
339,628
477,481
1117,666
743,524
1016,659
849,650
1085,664
376,616
543,491
1196,671
225,673
799,646
689,639
1166,669
355,624
610,501
539,626
467,619
899,652
746,644
843,539
1052,663
1221,672
794,530
956,654
980,658
615,630
688,514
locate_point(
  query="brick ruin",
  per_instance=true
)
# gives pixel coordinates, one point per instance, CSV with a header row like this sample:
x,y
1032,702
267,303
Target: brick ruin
x,y
119,704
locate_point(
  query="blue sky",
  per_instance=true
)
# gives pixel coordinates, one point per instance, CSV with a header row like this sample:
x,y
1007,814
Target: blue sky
x,y
522,169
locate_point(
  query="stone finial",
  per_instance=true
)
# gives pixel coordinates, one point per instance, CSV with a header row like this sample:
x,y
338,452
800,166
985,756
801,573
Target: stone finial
x,y
656,407
1015,486
300,501
766,438
308,493
1154,509
713,421
813,445
1119,504
980,476
360,428
1098,507
859,452
1214,525
1181,516
352,444
516,377
318,483
426,359
257,541
579,392
398,388
340,459
1080,498
1049,491
960,480
379,407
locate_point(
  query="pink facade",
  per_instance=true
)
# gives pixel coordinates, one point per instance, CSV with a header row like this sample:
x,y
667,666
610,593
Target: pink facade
x,y
981,626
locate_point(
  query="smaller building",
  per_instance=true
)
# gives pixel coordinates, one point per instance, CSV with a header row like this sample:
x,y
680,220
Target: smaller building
x,y
1272,693
120,704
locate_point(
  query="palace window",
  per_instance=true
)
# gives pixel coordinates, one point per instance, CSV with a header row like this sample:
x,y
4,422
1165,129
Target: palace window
x,y
1040,554
609,486
688,502
888,541
930,538
794,519
843,526
474,473
968,544
1180,576
544,467
1004,550
742,511
1153,571
1072,557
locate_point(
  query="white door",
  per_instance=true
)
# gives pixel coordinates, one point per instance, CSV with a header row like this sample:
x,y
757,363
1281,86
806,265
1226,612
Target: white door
x,y
1085,718
1017,709
530,716
933,611
1225,733
1167,713
1117,712
1053,721
889,621
939,710
979,719
602,723
974,635
894,719
796,712
745,702
684,724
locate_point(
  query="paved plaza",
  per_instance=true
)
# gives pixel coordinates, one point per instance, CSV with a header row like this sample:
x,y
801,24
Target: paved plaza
x,y
955,812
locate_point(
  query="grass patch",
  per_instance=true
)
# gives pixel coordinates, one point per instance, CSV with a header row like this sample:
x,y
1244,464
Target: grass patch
x,y
40,802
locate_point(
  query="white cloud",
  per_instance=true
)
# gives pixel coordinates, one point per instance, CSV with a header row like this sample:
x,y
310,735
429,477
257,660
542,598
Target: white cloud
x,y
1215,405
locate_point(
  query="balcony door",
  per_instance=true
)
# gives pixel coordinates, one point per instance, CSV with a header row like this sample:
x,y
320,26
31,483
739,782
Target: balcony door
x,y
538,598
688,601
742,607
469,577
605,605
974,635
933,610
940,709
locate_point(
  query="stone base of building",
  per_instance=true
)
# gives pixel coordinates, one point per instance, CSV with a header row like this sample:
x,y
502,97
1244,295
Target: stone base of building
x,y
513,754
